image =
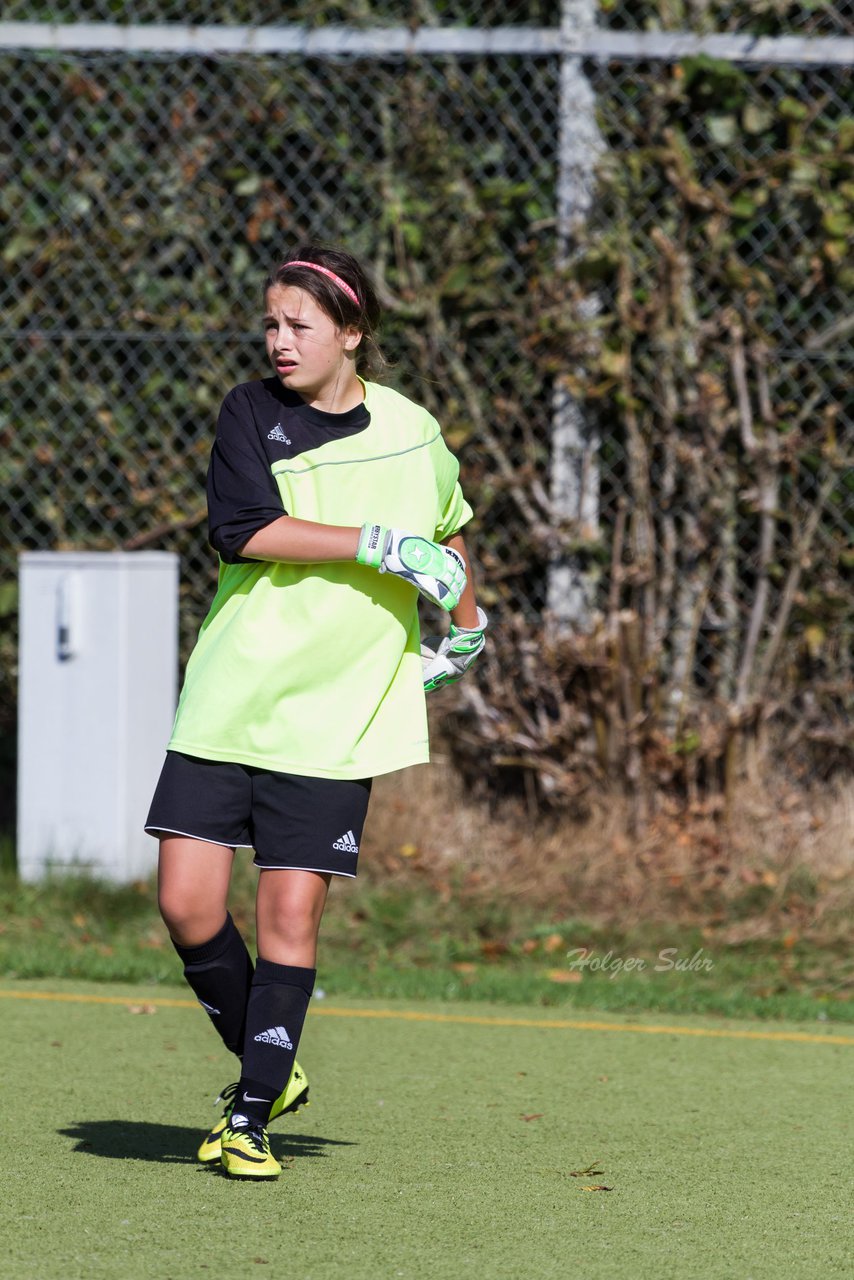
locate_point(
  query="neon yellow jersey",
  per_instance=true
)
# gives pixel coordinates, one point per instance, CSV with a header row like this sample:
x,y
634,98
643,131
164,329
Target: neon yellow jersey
x,y
316,669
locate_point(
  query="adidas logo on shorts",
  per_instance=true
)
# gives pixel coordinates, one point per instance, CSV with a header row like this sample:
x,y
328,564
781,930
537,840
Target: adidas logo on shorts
x,y
346,843
277,1036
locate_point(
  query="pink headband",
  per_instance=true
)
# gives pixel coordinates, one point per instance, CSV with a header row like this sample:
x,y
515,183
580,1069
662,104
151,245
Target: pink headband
x,y
315,266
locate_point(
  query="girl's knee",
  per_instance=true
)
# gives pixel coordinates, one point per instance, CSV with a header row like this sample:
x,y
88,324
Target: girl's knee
x,y
189,925
176,915
297,928
288,937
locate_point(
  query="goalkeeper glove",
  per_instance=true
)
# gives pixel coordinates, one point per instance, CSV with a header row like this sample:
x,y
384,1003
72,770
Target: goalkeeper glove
x,y
438,572
446,659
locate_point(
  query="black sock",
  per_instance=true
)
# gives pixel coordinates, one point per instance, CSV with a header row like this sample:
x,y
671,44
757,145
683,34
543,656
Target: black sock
x,y
278,1003
220,974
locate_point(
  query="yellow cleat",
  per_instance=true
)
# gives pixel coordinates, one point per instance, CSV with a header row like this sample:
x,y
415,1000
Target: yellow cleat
x,y
293,1096
246,1153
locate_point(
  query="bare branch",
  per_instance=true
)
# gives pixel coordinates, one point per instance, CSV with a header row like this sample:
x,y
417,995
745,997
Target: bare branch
x,y
163,530
739,377
793,578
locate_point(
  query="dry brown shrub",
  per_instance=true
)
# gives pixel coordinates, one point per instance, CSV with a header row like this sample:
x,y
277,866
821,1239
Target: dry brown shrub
x,y
780,859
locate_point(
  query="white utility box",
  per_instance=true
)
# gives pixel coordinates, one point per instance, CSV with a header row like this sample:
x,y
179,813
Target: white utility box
x,y
98,658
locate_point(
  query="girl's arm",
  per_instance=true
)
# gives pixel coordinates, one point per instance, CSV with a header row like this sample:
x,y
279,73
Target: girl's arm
x,y
453,654
465,614
296,541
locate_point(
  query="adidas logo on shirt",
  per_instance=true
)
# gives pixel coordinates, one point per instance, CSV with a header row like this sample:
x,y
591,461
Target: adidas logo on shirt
x,y
278,434
346,843
277,1036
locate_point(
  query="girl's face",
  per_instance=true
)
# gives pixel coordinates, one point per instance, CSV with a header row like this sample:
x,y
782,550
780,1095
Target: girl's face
x,y
309,354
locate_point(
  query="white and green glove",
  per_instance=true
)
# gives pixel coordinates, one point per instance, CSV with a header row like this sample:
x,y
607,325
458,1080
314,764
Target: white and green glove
x,y
445,659
438,572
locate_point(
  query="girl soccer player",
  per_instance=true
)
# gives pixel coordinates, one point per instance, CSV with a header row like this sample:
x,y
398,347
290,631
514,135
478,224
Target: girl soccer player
x,y
332,502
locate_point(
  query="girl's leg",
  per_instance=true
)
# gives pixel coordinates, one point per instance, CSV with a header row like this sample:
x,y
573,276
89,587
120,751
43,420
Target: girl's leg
x,y
192,888
289,910
193,880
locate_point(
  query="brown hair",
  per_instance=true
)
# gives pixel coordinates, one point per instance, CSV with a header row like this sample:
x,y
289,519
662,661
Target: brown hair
x,y
363,314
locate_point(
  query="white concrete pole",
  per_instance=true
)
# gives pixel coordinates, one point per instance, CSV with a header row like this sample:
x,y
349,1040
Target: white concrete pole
x,y
574,460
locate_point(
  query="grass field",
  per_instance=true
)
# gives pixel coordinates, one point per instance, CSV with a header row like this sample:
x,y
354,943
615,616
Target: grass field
x,y
442,1141
404,941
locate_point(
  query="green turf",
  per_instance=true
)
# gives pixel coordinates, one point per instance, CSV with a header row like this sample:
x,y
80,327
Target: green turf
x,y
726,1157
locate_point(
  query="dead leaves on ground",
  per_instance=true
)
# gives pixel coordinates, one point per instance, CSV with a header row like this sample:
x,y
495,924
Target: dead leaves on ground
x,y
590,1172
563,975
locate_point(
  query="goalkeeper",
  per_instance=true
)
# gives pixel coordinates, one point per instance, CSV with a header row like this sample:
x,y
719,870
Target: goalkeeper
x,y
333,503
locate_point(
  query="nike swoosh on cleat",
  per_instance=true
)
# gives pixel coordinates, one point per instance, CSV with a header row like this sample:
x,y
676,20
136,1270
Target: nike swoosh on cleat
x,y
233,1151
247,1097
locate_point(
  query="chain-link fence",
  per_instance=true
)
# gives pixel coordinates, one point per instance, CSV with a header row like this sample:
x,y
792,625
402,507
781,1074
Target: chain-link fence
x,y
692,313
762,17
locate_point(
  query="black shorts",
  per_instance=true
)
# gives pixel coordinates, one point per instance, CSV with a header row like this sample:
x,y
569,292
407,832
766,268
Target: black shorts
x,y
311,824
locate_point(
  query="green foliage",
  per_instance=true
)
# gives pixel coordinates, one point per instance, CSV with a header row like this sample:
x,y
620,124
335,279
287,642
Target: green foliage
x,y
146,199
